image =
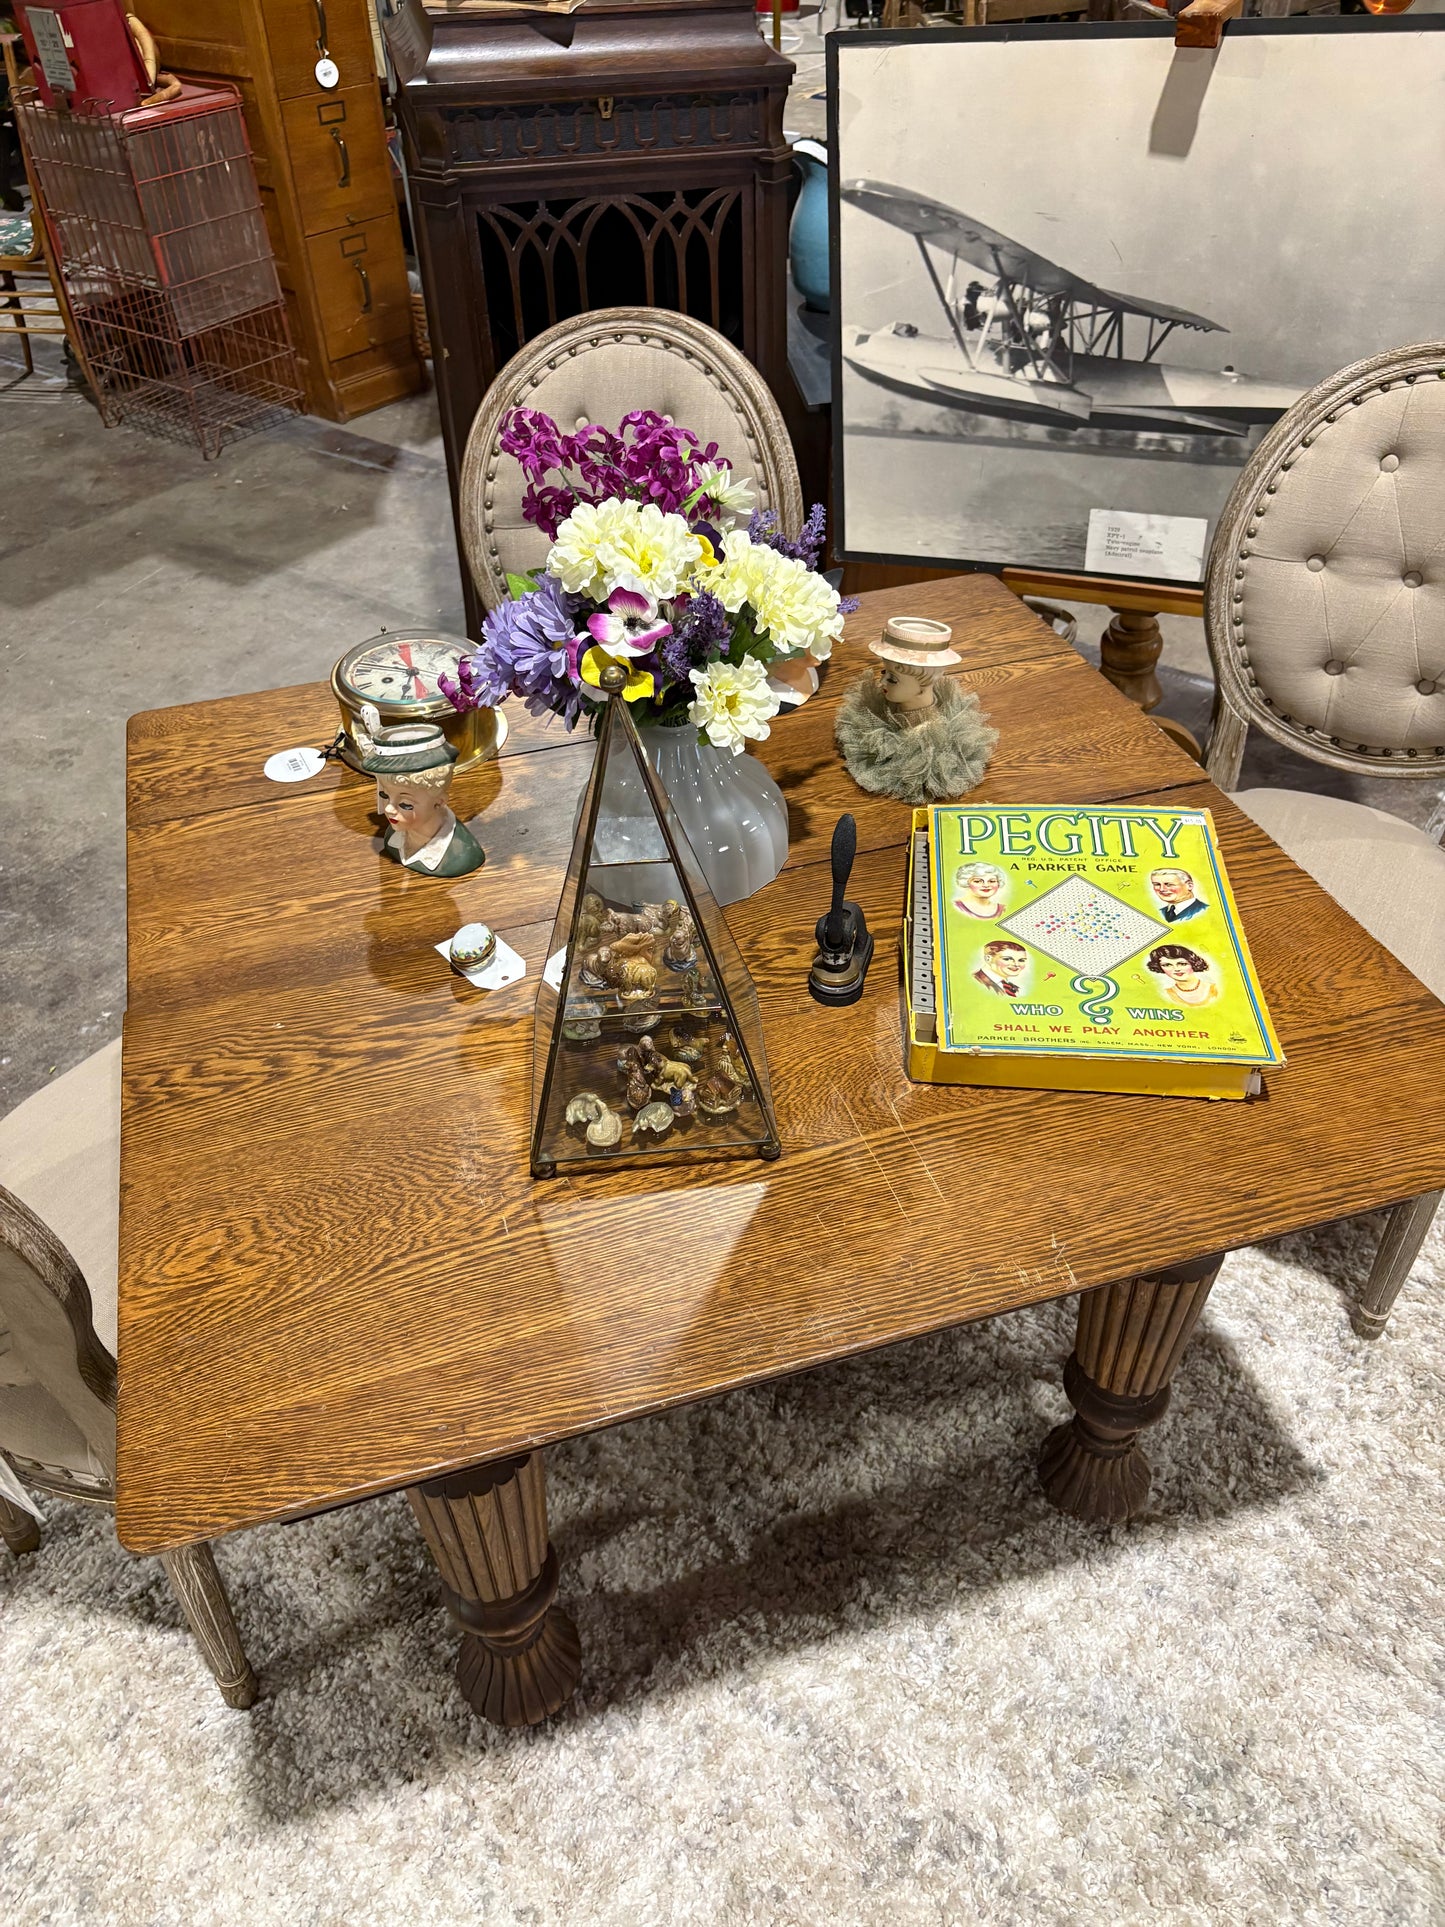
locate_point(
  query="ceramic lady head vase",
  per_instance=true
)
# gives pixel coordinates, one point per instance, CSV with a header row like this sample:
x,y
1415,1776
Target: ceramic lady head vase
x,y
412,764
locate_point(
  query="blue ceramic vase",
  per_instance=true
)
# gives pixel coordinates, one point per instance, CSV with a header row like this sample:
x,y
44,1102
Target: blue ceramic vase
x,y
808,234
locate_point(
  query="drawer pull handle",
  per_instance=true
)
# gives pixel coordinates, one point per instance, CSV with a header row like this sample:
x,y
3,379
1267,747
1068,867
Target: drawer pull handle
x,y
365,287
321,47
344,180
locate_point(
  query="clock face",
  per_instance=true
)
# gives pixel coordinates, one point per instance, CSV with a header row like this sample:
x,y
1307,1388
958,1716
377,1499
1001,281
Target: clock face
x,y
399,669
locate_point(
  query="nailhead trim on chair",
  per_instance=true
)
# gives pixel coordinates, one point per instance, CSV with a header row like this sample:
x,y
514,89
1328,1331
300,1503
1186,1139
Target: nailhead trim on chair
x,y
1380,375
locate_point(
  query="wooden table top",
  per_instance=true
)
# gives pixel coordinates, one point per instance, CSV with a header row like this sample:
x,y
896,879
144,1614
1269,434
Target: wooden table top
x,y
337,1276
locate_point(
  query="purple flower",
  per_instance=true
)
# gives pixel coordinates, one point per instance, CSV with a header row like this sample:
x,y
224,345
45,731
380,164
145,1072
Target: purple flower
x,y
523,653
700,631
646,459
535,440
807,549
547,508
629,626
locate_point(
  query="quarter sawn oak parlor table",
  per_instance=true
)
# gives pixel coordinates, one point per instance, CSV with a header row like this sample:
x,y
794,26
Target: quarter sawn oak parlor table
x,y
338,1278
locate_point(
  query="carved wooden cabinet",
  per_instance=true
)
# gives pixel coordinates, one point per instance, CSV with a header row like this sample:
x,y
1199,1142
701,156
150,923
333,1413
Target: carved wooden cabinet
x,y
326,182
628,153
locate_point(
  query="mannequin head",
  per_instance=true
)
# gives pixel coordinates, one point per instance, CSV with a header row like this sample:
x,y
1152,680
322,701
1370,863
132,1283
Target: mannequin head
x,y
905,686
415,805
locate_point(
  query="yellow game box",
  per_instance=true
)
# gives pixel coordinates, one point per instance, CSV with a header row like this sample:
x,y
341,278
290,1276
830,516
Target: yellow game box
x,y
1088,948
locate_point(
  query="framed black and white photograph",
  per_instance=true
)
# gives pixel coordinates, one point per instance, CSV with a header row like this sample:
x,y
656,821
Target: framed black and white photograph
x,y
1079,271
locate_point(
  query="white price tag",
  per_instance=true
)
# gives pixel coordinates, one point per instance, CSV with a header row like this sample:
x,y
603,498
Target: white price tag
x,y
327,72
294,765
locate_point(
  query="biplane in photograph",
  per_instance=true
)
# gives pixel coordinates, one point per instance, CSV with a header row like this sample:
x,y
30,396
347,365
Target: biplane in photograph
x,y
1029,341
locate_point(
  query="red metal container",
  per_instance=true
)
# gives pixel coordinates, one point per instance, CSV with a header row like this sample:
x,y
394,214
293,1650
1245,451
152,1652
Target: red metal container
x,y
83,55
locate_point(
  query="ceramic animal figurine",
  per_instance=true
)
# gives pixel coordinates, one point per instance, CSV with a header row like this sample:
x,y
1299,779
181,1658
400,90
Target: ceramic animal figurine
x,y
412,764
583,1022
906,729
655,1117
639,1090
718,1095
680,950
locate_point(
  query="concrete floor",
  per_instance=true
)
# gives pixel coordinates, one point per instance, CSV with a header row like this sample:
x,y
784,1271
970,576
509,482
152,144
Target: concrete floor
x,y
135,575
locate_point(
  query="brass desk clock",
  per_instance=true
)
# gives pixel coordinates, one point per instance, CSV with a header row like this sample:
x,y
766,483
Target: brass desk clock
x,y
398,671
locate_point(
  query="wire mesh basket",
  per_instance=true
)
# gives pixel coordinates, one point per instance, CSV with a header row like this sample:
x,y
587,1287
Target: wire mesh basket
x,y
166,258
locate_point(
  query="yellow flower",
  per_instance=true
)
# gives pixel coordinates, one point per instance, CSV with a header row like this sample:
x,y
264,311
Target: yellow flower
x,y
639,681
708,559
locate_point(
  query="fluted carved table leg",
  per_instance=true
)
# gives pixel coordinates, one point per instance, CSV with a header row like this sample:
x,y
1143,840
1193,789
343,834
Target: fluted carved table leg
x,y
487,1530
1131,1337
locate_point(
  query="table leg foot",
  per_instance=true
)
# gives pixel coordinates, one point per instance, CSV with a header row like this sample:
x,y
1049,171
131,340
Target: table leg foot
x,y
521,1688
487,1530
1130,1339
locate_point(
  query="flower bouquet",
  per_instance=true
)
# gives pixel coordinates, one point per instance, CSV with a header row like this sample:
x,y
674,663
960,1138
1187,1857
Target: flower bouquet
x,y
660,564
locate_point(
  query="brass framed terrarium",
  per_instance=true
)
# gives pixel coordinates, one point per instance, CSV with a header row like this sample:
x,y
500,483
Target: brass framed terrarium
x,y
647,1040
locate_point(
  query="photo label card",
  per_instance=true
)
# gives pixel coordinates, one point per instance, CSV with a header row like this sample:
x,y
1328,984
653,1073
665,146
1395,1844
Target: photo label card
x,y
1166,548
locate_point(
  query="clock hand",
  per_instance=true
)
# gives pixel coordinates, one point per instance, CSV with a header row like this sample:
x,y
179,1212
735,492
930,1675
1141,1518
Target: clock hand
x,y
404,651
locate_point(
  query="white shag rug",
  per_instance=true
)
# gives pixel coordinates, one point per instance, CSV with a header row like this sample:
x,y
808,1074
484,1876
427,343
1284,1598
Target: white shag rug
x,y
842,1665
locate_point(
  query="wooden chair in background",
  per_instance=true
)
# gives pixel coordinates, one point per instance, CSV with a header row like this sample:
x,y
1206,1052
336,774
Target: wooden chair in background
x,y
61,1150
598,367
1325,617
33,300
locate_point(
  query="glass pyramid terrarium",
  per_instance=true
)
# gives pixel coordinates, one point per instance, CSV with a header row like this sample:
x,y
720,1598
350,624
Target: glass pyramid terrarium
x,y
647,1040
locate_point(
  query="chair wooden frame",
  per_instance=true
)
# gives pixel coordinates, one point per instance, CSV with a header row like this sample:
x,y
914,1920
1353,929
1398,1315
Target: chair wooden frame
x,y
775,469
1241,698
40,310
190,1569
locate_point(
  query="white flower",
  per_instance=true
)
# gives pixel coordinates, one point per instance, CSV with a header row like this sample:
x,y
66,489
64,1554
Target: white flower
x,y
792,606
731,497
604,546
734,703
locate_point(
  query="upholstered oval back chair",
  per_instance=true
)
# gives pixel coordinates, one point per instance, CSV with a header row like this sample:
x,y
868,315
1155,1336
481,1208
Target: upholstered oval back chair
x,y
60,1148
1325,617
599,367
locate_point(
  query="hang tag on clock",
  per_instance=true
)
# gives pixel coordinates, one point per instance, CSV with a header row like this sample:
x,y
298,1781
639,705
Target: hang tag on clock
x,y
327,72
294,765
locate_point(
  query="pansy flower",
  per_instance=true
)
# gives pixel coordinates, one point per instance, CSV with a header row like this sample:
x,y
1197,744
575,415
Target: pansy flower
x,y
630,624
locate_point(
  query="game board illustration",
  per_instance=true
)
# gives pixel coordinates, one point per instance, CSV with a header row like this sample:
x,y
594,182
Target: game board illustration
x,y
1080,924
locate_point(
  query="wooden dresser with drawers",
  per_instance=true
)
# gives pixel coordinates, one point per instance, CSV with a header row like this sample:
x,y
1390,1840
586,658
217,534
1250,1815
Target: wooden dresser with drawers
x,y
325,179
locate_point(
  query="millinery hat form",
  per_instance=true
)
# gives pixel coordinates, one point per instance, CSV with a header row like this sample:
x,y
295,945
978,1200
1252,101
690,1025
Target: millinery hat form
x,y
917,640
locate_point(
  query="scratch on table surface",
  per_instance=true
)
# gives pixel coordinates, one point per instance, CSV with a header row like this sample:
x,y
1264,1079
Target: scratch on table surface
x,y
863,1140
908,1140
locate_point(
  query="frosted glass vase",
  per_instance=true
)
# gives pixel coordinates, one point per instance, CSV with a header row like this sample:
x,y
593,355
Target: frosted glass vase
x,y
732,812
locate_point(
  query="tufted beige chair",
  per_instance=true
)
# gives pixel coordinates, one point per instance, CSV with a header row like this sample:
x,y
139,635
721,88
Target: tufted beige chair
x,y
1325,616
61,1150
598,368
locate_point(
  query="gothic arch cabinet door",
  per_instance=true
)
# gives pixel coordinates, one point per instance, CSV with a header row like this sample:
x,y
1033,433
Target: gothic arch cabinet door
x,y
627,154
